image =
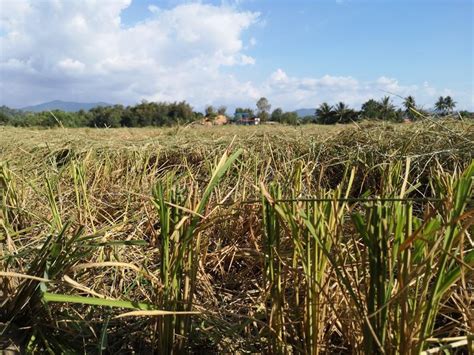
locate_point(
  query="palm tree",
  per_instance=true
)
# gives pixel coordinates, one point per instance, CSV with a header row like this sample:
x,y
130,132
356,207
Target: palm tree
x,y
324,113
440,105
340,109
449,104
386,107
409,103
324,110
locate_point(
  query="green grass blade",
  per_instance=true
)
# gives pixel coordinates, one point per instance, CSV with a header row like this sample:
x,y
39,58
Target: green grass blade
x,y
94,301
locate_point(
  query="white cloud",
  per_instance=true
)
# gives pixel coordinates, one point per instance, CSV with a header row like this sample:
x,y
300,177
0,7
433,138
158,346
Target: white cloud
x,y
279,76
81,51
296,92
245,59
71,65
153,8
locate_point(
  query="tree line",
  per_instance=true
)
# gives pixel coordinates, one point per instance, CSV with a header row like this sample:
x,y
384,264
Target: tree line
x,y
160,114
141,115
383,109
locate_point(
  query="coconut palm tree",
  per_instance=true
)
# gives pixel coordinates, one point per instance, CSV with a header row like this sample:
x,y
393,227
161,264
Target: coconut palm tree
x,y
386,103
449,104
324,110
341,109
324,113
440,105
410,105
386,107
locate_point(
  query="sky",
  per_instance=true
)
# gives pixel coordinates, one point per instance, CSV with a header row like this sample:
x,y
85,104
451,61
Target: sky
x,y
296,53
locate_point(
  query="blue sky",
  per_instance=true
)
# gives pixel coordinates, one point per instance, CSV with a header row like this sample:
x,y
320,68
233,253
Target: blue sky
x,y
296,53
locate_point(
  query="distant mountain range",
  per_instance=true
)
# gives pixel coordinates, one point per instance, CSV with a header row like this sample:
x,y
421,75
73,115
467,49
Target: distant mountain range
x,y
64,106
302,112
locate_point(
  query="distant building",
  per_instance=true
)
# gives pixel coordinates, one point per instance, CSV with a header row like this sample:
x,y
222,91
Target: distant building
x,y
243,118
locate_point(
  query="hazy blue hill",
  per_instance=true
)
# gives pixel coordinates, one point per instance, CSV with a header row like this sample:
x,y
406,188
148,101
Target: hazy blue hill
x,y
64,106
302,112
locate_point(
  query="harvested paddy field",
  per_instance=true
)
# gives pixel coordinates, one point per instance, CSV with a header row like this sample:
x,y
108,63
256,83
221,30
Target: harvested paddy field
x,y
314,239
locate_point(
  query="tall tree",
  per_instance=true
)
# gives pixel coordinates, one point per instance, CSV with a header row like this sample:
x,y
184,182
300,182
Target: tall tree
x,y
276,115
221,110
263,108
449,104
323,110
325,114
341,108
410,105
345,114
371,109
210,111
440,105
387,109
179,112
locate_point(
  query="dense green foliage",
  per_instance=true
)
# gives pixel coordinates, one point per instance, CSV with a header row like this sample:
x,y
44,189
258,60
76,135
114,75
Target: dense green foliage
x,y
291,118
162,114
141,115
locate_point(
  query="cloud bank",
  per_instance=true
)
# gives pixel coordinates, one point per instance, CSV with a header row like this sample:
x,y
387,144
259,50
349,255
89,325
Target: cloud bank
x,y
82,51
